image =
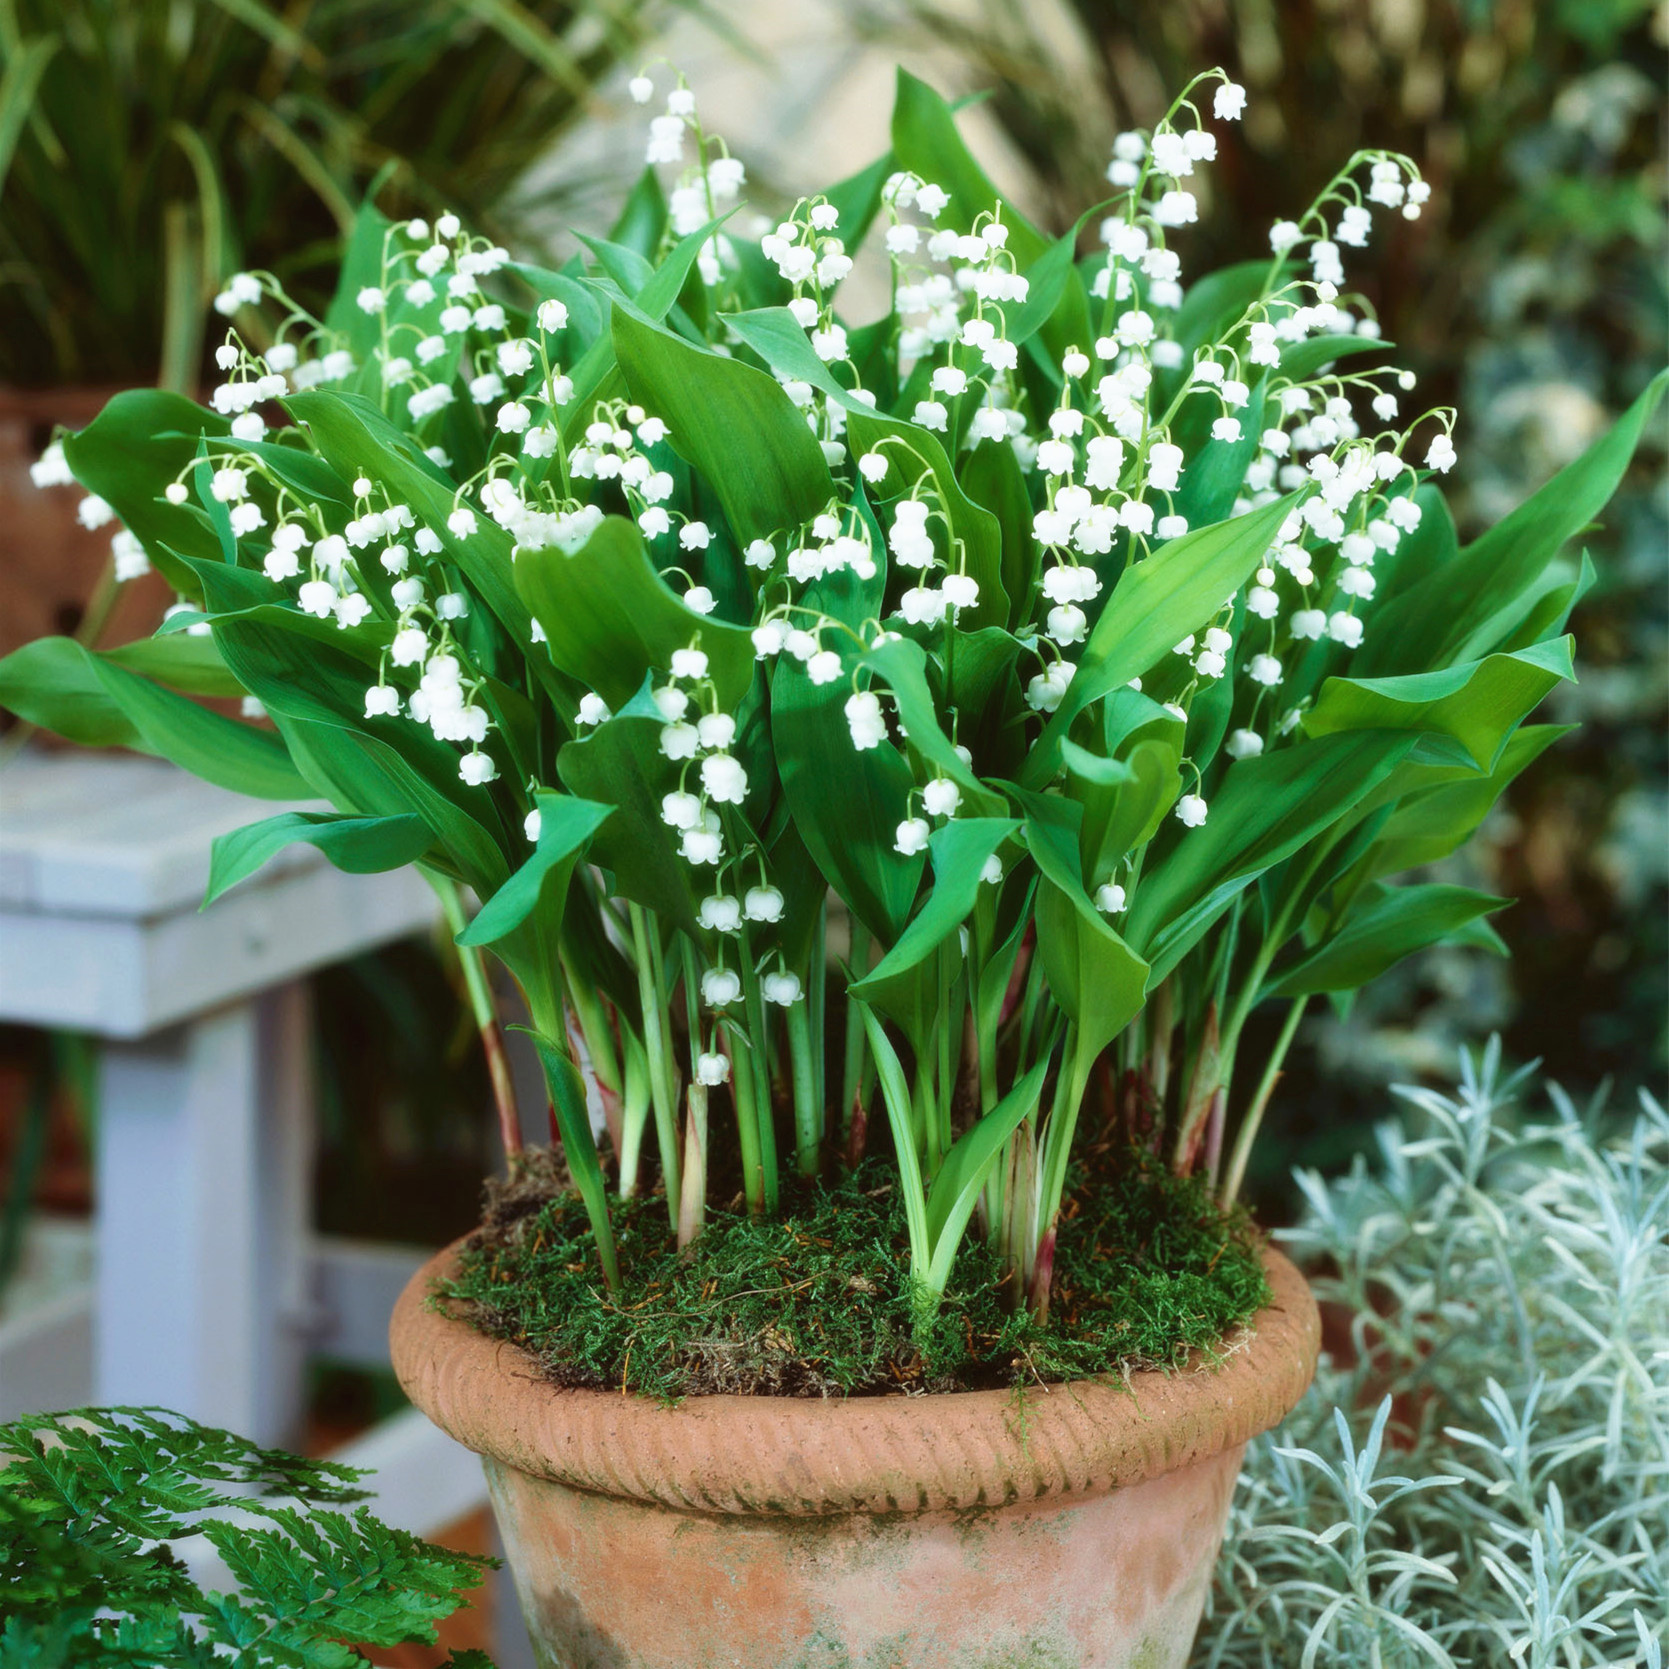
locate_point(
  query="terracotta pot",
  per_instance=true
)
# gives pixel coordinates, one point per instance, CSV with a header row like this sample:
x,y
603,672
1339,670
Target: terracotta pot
x,y
1073,1528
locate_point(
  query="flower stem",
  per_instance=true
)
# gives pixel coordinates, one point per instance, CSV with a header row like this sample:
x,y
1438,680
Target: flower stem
x,y
485,1012
808,1104
1247,1134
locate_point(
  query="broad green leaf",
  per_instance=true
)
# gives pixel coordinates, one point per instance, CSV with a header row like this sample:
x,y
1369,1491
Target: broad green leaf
x,y
1430,624
192,665
579,1146
1478,704
362,264
847,804
857,200
925,141
1264,811
910,450
143,439
57,684
1098,981
315,694
1387,924
1302,360
959,852
620,765
1095,977
1157,602
1431,822
963,1174
1216,468
591,373
358,845
731,422
628,267
610,618
566,826
992,478
642,220
1210,310
902,666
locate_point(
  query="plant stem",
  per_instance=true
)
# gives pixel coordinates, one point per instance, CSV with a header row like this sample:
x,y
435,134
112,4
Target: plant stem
x,y
689,1209
1247,1134
852,1074
662,1091
808,1103
485,1011
752,1091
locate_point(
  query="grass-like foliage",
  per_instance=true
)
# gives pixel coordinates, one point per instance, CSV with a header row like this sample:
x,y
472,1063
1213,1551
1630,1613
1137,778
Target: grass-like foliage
x,y
818,1301
92,1503
1482,1477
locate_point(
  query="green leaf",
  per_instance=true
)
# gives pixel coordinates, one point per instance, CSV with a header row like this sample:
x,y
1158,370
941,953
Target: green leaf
x,y
733,423
358,845
975,527
1386,924
190,664
362,264
620,765
579,1147
847,804
1434,621
1216,468
959,851
1095,977
857,200
610,618
1433,818
566,826
963,1174
1265,810
1157,602
925,141
315,694
1302,360
57,684
143,439
902,665
642,220
895,1097
592,371
27,61
1211,309
992,478
1478,704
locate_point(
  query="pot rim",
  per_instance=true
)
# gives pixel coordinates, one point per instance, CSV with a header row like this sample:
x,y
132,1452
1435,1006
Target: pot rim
x,y
812,1457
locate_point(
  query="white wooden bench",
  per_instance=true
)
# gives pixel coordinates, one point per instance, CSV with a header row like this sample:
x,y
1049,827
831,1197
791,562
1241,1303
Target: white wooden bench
x,y
206,1289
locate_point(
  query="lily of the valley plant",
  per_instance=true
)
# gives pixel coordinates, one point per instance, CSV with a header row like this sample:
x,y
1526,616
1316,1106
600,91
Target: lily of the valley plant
x,y
990,705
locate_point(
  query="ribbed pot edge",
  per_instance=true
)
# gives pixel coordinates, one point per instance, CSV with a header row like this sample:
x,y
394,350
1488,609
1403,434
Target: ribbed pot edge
x,y
796,1457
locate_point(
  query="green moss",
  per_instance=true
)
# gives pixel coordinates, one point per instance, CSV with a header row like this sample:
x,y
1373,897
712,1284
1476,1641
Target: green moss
x,y
817,1301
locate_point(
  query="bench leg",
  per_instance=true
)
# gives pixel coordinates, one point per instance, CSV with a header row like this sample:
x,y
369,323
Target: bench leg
x,y
204,1171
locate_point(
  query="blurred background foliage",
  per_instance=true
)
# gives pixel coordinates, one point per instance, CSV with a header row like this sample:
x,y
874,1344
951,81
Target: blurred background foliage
x,y
1533,294
149,148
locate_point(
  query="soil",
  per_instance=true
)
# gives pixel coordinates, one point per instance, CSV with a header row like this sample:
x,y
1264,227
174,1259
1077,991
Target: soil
x,y
817,1301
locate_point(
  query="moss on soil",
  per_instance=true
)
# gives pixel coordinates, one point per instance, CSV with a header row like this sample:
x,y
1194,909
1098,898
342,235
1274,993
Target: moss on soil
x,y
816,1302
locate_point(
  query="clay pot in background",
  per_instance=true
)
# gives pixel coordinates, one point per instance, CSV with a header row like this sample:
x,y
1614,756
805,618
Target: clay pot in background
x,y
49,564
1073,1528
